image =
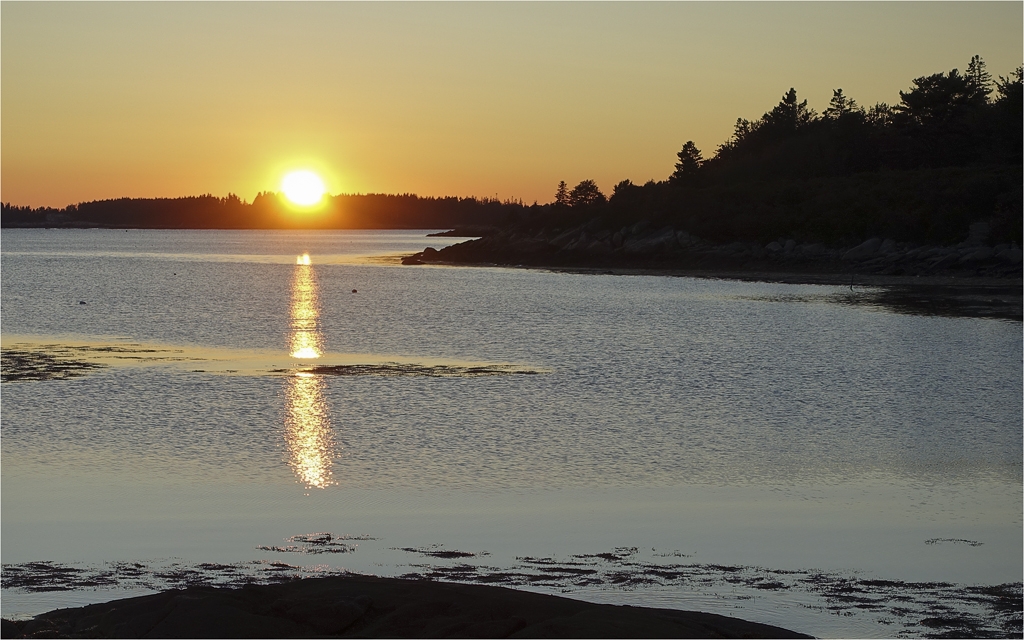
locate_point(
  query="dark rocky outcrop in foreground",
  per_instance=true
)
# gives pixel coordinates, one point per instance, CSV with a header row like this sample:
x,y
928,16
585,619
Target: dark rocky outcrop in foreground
x,y
370,607
643,246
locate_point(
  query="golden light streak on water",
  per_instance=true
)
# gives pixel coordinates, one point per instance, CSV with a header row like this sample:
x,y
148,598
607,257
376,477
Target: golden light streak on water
x,y
307,424
306,339
308,431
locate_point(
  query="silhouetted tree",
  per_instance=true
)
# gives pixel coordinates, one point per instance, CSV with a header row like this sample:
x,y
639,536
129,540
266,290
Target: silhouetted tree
x,y
880,115
740,132
627,194
1010,90
623,187
688,167
585,193
841,106
979,80
1008,110
562,195
938,98
789,114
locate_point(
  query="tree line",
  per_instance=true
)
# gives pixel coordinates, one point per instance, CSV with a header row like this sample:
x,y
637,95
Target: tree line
x,y
269,210
949,153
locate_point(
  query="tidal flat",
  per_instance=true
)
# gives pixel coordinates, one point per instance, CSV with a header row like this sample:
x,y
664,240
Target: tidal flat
x,y
765,451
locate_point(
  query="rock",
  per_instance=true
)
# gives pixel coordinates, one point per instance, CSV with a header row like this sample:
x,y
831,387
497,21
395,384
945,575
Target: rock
x,y
983,253
864,250
639,228
656,242
527,245
565,238
579,242
1013,256
773,247
887,246
945,261
789,246
811,249
367,607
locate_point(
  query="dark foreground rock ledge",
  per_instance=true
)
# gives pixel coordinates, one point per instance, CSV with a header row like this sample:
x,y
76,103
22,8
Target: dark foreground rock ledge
x,y
370,607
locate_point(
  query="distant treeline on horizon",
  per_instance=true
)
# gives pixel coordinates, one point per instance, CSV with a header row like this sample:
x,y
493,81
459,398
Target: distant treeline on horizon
x,y
268,210
949,154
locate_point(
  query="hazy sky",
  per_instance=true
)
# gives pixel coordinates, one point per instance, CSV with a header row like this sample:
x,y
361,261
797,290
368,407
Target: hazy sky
x,y
104,100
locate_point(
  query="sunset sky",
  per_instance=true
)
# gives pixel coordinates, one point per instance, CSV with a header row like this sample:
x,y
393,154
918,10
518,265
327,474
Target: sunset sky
x,y
105,100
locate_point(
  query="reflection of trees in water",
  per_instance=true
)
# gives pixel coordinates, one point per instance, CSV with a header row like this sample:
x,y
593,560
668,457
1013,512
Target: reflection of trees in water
x,y
311,445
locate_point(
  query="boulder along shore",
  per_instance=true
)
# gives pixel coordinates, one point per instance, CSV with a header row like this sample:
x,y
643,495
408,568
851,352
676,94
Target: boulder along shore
x,y
372,607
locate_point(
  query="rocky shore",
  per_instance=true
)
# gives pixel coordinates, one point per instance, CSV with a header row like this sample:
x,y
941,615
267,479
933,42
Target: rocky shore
x,y
371,607
644,246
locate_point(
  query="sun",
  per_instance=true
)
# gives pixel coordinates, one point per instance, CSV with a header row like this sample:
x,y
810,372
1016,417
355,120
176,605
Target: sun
x,y
303,188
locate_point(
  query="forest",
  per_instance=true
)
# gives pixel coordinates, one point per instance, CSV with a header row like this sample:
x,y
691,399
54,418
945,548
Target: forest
x,y
268,210
949,154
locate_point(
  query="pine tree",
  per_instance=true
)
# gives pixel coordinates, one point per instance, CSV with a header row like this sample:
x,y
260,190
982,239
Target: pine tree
x,y
562,195
690,161
840,106
979,80
789,115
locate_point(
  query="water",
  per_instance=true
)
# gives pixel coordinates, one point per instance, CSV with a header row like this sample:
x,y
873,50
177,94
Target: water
x,y
529,414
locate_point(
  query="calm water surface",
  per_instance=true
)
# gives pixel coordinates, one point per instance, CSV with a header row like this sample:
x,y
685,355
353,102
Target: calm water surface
x,y
752,424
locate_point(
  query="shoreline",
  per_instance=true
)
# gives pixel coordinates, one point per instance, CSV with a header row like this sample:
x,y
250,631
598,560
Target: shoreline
x,y
975,278
367,606
940,295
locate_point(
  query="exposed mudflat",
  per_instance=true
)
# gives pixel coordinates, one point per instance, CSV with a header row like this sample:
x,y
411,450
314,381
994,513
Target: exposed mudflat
x,y
25,359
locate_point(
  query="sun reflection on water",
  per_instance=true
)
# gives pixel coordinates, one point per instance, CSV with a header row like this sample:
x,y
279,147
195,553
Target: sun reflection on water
x,y
306,340
307,424
308,431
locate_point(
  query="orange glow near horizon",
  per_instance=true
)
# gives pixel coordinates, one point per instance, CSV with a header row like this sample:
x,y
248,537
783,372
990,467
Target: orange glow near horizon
x,y
436,99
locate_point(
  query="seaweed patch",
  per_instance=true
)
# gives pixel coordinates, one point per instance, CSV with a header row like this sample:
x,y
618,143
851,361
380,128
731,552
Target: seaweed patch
x,y
921,609
970,543
52,576
316,543
398,369
18,365
438,551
